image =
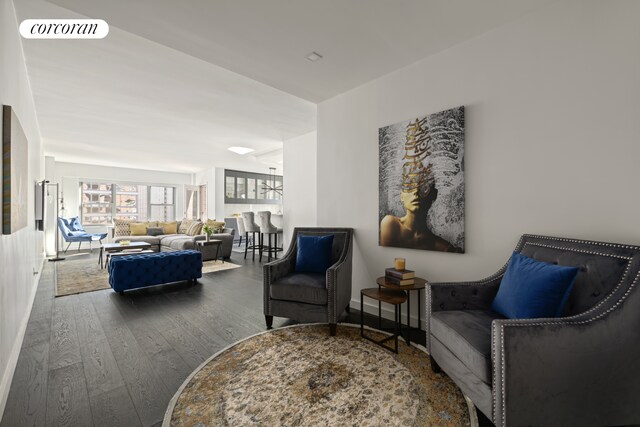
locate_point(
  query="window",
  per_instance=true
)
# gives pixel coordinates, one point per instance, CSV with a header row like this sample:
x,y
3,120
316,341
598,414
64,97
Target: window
x,y
97,201
102,202
161,203
196,202
249,188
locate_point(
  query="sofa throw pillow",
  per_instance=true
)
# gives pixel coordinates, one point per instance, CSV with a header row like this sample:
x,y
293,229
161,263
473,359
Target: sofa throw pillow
x,y
184,226
314,253
138,228
121,227
169,227
155,231
533,289
218,226
195,228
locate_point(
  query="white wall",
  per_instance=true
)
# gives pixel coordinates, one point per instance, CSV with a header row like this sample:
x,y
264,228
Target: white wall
x,y
21,253
300,182
552,105
69,176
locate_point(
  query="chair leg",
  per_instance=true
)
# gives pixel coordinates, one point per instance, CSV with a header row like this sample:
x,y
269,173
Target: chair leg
x,y
90,246
434,366
246,244
253,247
269,248
261,237
79,243
333,328
275,246
65,251
269,320
240,242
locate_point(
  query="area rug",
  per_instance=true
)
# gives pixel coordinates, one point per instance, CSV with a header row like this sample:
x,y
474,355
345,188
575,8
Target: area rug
x,y
85,275
301,376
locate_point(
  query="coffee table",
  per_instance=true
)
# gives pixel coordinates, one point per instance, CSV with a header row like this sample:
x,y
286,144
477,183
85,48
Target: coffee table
x,y
419,285
110,248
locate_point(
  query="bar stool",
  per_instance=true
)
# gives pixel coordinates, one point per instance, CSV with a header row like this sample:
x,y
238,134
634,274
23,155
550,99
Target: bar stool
x,y
266,227
241,232
250,226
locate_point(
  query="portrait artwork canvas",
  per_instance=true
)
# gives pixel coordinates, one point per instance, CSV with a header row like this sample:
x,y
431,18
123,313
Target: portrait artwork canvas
x,y
14,173
421,183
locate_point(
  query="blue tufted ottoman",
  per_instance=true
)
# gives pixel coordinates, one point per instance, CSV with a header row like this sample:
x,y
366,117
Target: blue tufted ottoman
x,y
138,271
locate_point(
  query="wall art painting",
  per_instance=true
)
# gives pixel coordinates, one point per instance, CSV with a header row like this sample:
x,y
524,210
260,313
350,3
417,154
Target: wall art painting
x,y
14,173
421,183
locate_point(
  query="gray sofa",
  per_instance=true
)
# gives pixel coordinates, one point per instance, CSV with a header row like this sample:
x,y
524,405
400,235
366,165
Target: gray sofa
x,y
579,369
179,242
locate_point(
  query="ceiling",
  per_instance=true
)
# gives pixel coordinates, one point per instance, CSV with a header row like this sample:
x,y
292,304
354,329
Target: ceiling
x,y
176,83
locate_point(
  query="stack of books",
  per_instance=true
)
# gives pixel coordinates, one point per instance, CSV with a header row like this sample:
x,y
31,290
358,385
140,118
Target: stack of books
x,y
400,277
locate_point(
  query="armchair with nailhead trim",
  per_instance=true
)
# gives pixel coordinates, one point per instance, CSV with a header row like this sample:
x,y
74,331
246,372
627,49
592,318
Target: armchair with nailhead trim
x,y
310,297
579,369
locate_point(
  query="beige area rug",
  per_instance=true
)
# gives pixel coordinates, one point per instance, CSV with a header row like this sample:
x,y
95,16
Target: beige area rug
x,y
85,275
301,376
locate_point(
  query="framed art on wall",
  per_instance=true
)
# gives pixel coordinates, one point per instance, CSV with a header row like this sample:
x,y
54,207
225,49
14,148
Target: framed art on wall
x,y
421,182
14,173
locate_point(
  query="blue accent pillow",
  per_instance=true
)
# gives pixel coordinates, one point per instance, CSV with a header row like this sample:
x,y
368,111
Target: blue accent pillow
x,y
533,289
74,224
314,254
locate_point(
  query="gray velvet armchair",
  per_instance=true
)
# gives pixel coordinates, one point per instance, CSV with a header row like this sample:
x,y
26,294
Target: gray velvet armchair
x,y
579,369
310,297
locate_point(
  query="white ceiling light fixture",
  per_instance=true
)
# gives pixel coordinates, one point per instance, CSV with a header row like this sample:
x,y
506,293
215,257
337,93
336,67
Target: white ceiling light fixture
x,y
241,150
314,56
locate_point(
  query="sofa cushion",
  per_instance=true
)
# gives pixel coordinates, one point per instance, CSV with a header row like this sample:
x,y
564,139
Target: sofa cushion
x,y
533,289
194,229
308,288
155,231
169,227
184,226
467,334
138,228
121,227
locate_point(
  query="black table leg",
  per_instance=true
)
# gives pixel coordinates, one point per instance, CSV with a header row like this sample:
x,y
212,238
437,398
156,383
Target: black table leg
x,y
361,315
419,309
408,317
379,315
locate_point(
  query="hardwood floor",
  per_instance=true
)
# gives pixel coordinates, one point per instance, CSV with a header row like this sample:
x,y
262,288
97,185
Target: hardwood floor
x,y
106,359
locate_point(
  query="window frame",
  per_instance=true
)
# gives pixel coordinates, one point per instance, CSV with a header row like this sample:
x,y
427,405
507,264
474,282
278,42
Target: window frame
x,y
113,204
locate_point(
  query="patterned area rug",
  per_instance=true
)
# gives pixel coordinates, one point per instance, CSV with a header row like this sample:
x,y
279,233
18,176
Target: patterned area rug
x,y
301,376
75,276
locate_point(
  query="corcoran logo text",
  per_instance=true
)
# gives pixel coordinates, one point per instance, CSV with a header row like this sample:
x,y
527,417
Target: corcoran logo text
x,y
64,29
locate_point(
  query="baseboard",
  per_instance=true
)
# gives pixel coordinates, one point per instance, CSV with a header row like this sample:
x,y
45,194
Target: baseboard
x,y
7,378
371,307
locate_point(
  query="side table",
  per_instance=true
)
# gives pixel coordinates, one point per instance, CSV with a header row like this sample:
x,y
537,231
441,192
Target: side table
x,y
202,243
390,296
419,285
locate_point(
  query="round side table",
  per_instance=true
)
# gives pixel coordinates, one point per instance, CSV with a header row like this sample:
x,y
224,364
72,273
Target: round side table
x,y
389,296
419,285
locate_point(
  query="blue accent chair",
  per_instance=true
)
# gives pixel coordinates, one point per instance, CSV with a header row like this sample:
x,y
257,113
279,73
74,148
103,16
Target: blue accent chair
x,y
72,231
141,270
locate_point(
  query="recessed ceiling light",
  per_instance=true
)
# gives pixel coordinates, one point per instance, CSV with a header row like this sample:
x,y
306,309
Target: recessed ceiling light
x,y
240,150
314,56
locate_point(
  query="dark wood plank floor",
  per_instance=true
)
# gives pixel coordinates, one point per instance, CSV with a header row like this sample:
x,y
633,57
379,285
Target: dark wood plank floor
x,y
106,359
